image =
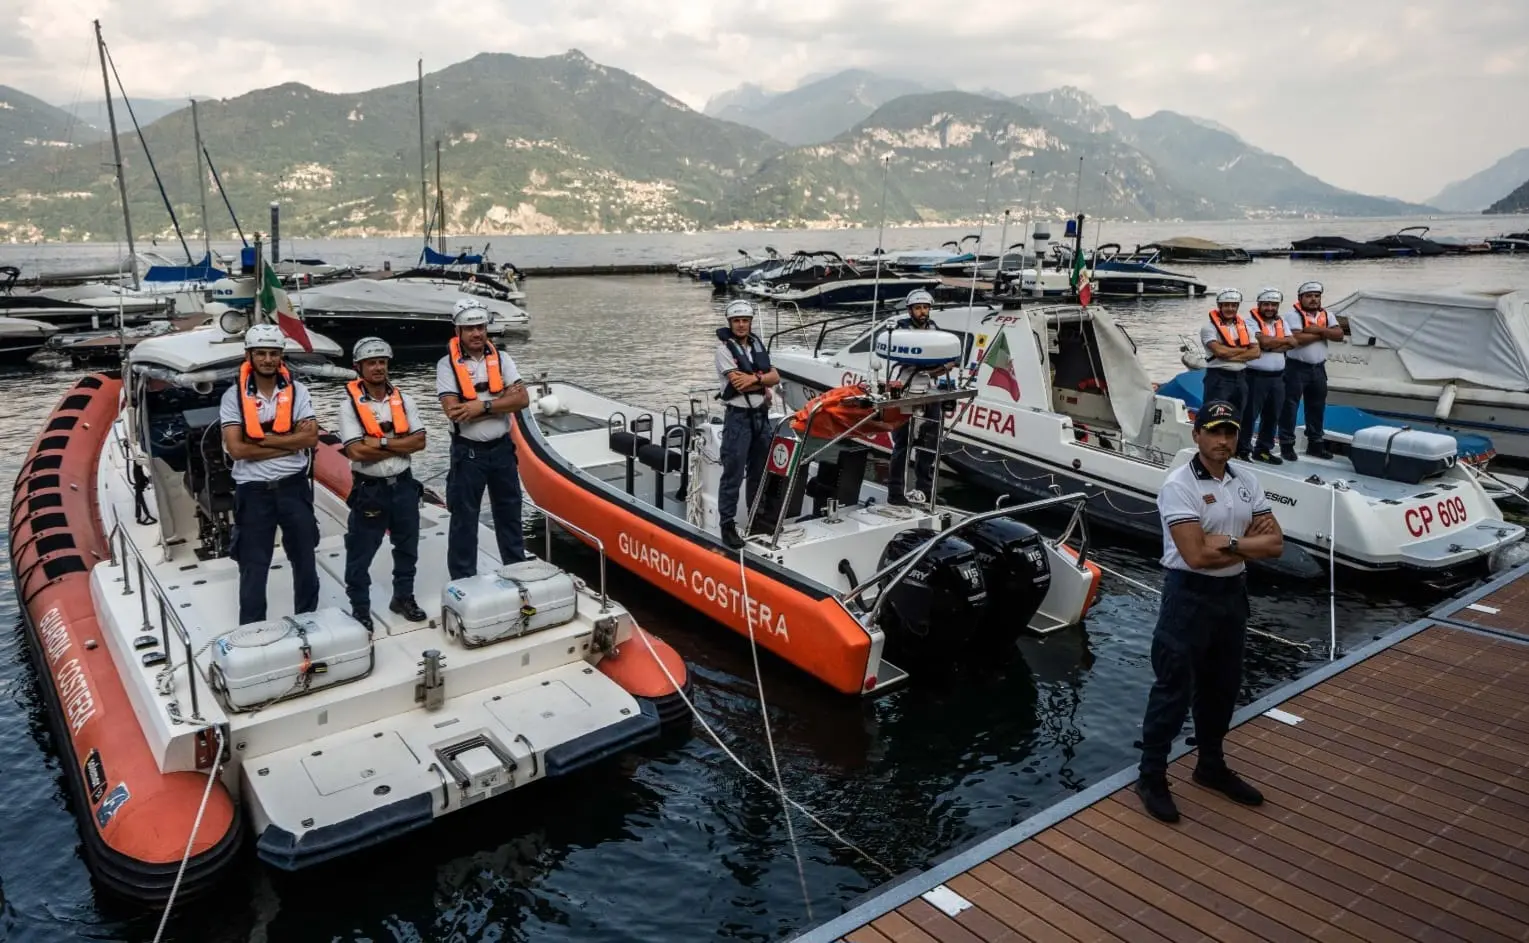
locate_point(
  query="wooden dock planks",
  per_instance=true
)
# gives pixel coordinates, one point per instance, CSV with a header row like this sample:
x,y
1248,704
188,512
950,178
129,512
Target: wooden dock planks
x,y
1397,808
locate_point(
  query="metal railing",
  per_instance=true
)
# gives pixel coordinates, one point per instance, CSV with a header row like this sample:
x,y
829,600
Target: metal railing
x,y
827,327
605,603
124,549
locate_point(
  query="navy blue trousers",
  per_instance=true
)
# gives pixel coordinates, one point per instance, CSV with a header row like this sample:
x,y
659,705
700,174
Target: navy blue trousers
x,y
1197,664
1230,386
923,465
1265,402
260,508
746,436
378,509
474,467
1304,381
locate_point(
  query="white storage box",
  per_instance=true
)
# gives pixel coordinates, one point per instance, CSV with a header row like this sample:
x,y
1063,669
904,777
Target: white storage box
x,y
1398,454
263,662
516,599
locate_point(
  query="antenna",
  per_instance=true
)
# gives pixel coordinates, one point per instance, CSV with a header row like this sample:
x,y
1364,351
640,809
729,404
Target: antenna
x,y
424,199
886,162
987,189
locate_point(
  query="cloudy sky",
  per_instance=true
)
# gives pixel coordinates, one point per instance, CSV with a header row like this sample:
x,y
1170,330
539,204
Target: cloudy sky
x,y
1381,96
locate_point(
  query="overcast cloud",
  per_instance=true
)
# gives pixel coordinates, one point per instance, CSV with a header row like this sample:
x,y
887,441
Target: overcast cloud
x,y
1373,95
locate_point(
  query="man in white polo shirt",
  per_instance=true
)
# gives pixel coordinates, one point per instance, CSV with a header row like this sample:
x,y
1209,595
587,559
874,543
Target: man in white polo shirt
x,y
1306,370
1214,520
380,429
268,429
479,387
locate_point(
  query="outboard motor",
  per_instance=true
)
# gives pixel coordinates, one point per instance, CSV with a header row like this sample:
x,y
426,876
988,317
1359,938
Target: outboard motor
x,y
941,600
1016,571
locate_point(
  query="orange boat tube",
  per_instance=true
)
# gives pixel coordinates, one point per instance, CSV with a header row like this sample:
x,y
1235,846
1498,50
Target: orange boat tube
x,y
797,619
134,820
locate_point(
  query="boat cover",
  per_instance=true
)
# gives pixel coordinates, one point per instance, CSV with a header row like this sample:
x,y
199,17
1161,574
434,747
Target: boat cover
x,y
433,257
203,271
372,296
1471,336
1130,389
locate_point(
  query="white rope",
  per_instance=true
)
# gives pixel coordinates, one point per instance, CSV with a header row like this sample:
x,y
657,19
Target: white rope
x,y
1332,570
212,777
764,712
717,739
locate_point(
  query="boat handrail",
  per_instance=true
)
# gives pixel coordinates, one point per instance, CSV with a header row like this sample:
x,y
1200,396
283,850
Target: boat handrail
x,y
911,559
168,617
605,601
825,326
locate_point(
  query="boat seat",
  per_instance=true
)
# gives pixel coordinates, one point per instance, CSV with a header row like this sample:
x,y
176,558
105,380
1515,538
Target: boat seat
x,y
660,459
210,479
627,443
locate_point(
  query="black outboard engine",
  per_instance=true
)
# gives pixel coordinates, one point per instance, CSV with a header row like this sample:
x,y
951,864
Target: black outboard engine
x,y
941,600
1016,571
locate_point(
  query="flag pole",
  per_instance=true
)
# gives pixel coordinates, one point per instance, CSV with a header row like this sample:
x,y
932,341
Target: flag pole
x,y
259,277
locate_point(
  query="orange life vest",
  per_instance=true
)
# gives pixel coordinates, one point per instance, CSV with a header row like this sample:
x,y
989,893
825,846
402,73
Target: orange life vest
x,y
249,404
1318,323
1279,326
1242,339
837,411
465,388
369,419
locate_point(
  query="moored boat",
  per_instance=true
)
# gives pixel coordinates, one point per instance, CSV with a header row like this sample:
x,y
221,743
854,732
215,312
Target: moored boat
x,y
307,733
828,589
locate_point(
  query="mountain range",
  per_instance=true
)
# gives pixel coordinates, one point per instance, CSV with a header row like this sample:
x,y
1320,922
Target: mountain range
x,y
564,144
1482,189
1513,203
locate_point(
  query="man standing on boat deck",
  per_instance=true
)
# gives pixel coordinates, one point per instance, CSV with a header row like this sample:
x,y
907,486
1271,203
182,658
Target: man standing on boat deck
x,y
1306,371
1229,347
1214,520
479,387
743,365
920,304
268,429
380,430
1266,379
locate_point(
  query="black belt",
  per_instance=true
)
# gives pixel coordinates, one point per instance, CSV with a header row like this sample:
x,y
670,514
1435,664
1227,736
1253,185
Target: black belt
x,y
299,478
1204,582
358,479
477,444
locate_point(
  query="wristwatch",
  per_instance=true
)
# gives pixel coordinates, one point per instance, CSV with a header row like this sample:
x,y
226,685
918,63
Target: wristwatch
x,y
487,406
382,442
1231,544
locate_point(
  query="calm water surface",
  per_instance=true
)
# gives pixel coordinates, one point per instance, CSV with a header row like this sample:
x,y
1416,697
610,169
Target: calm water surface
x,y
677,843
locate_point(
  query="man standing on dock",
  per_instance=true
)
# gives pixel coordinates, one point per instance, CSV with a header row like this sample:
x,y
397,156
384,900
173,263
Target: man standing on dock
x,y
1306,371
743,365
1230,345
1214,520
1266,379
479,387
380,430
268,429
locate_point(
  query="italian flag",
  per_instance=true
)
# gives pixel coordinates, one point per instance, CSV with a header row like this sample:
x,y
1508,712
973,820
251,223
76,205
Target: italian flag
x,y
274,301
1002,366
1085,292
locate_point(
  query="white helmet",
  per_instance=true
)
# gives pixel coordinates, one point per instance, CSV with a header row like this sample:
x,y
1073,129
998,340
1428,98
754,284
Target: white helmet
x,y
1229,296
264,336
469,312
919,297
1271,294
1309,288
370,348
740,309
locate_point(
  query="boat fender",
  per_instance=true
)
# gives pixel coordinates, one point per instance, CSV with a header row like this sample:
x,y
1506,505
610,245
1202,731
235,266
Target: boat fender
x,y
1446,402
548,405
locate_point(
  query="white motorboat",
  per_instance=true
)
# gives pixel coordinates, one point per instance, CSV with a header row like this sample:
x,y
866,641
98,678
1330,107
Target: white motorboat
x,y
1455,360
404,312
1063,403
20,338
320,738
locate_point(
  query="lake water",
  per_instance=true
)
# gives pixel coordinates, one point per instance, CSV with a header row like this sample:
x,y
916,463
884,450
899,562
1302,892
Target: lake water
x,y
677,843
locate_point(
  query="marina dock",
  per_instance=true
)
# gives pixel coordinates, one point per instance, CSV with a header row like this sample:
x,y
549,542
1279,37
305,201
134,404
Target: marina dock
x,y
1396,784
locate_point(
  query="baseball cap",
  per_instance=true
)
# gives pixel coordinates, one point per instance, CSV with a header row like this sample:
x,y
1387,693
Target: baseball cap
x,y
1217,413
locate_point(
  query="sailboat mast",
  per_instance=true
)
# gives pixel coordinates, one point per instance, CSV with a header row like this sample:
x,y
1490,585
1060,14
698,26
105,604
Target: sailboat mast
x,y
440,203
424,199
201,180
116,148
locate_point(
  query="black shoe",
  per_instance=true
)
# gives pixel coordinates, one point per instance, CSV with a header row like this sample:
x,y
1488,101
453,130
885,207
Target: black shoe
x,y
1229,784
730,536
1267,457
1287,452
1319,450
897,499
1156,798
363,615
408,608
1244,456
